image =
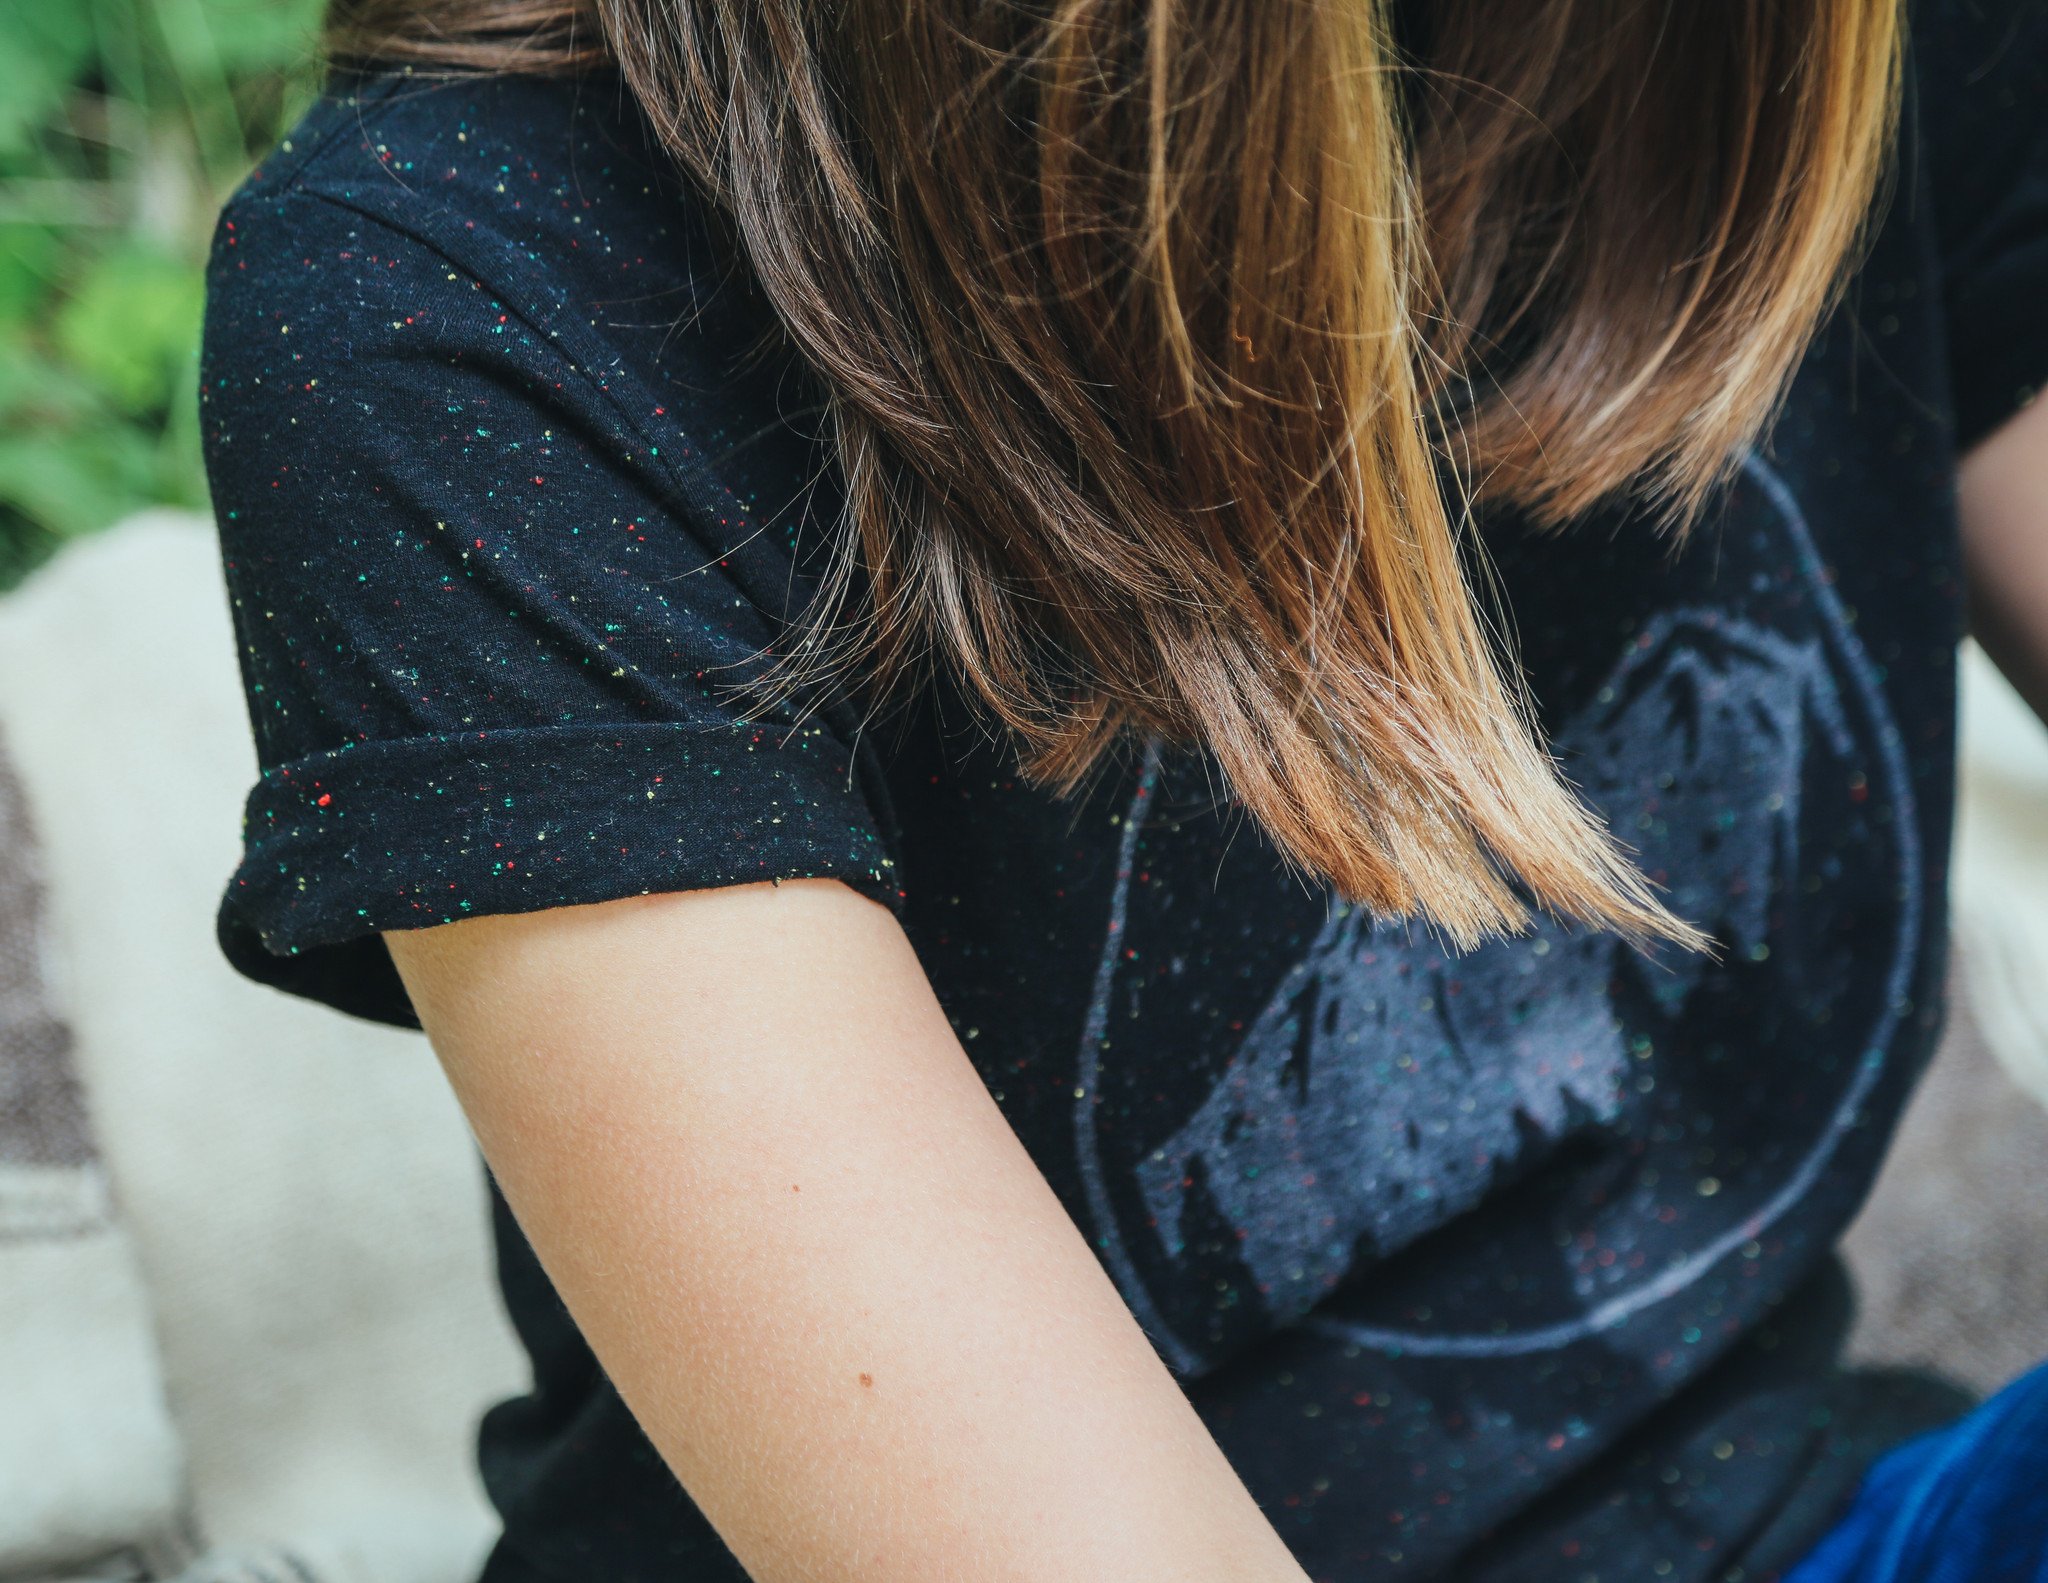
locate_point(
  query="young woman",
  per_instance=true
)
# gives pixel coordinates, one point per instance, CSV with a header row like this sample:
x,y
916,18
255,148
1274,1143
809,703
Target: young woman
x,y
1170,780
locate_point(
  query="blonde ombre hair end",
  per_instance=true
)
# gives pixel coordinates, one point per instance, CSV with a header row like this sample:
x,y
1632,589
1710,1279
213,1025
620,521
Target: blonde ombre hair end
x,y
1167,342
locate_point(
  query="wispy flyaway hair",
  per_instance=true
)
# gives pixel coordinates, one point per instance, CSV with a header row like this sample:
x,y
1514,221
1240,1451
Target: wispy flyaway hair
x,y
1166,342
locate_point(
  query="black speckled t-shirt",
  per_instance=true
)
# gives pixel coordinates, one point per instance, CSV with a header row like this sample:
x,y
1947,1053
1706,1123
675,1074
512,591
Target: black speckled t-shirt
x,y
1510,1265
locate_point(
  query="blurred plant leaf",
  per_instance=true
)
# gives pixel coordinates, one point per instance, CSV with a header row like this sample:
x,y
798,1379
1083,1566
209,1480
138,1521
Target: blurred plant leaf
x,y
29,258
43,46
123,123
130,323
24,545
71,483
263,36
37,392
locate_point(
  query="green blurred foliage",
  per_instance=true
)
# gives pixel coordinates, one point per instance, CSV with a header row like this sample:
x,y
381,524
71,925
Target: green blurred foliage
x,y
123,125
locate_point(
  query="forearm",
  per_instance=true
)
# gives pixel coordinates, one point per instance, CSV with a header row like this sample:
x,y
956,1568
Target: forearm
x,y
2004,505
821,1270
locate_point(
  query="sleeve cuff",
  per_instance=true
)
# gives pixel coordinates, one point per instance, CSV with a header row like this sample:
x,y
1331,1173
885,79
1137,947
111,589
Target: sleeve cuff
x,y
424,830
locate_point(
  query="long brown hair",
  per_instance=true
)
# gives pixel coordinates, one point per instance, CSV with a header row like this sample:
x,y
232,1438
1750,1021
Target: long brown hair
x,y
1157,332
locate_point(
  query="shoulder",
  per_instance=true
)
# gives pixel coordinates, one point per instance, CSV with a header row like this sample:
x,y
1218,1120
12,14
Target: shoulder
x,y
561,168
479,209
1963,40
467,386
1980,93
1975,174
468,264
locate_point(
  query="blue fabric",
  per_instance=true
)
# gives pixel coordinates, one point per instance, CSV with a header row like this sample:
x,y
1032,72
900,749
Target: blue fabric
x,y
1967,1503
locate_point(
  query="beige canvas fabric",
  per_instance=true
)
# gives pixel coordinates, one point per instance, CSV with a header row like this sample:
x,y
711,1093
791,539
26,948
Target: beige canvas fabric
x,y
302,1199
99,1481
1951,1253
2001,870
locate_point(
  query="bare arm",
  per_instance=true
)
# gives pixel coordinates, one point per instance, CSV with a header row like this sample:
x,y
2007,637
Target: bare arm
x,y
2004,502
812,1255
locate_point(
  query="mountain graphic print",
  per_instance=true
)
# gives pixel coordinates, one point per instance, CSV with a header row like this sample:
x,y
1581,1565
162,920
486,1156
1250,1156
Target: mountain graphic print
x,y
1383,1088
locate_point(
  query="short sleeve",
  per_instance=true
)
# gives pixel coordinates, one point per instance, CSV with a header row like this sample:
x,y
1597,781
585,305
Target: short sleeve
x,y
490,635
1981,79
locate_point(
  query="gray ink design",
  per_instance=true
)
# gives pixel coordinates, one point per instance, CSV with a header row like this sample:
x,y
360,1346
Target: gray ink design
x,y
1896,787
1379,1091
1704,722
1087,1075
1386,1084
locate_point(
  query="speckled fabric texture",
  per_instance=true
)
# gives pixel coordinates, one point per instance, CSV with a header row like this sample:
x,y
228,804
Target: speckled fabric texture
x,y
1515,1265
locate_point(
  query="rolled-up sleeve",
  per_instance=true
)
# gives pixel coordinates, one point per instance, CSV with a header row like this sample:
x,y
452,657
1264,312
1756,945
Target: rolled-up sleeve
x,y
493,658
